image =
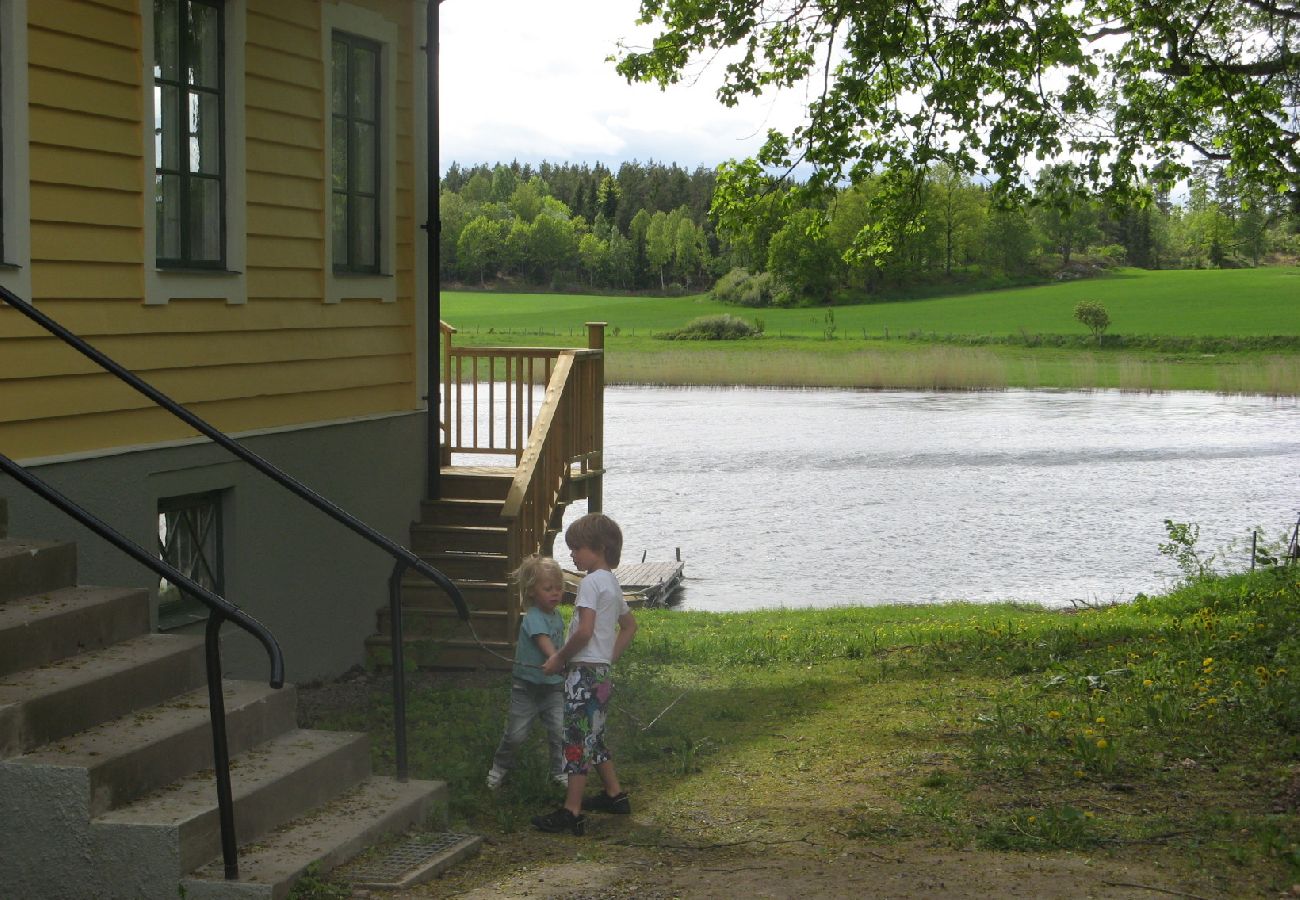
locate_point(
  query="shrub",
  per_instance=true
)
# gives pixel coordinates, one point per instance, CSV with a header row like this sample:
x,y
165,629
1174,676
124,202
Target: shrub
x,y
740,288
714,328
1093,315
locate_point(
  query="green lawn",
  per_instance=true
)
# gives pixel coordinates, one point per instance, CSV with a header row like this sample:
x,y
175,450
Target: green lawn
x,y
1220,303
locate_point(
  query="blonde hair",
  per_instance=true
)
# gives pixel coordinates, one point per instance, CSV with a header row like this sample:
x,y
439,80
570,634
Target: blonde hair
x,y
597,532
535,570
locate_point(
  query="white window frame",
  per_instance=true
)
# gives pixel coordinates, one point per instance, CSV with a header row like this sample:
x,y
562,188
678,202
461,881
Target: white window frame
x,y
16,267
340,286
162,285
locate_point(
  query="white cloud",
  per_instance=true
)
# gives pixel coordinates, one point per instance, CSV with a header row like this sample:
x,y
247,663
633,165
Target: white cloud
x,y
530,81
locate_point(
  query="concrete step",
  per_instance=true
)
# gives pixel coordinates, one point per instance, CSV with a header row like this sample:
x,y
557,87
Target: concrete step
x,y
42,705
489,625
41,628
489,567
459,538
270,785
35,567
129,757
330,836
476,484
472,511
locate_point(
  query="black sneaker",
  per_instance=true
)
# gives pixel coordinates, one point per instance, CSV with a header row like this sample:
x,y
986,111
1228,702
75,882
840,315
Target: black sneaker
x,y
618,804
561,820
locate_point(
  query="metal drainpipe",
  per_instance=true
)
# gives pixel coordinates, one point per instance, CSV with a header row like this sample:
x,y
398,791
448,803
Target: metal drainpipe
x,y
433,229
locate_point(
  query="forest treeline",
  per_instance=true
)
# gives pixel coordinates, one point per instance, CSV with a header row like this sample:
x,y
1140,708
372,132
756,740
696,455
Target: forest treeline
x,y
648,227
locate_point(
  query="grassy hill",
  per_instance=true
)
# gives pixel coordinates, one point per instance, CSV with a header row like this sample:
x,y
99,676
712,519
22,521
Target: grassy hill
x,y
1220,303
911,344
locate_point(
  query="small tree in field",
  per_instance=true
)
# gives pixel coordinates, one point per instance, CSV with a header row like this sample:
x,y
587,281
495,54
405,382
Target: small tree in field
x,y
1093,315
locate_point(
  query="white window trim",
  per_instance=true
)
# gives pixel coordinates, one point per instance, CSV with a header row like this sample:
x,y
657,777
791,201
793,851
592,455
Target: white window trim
x,y
162,285
16,273
336,16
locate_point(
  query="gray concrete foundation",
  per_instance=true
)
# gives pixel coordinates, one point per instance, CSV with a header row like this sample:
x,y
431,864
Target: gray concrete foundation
x,y
312,582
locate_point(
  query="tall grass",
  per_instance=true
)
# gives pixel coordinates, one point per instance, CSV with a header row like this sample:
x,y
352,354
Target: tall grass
x,y
927,368
952,367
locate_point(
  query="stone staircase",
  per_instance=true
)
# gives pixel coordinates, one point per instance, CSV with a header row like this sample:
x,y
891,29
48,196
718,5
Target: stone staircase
x,y
106,788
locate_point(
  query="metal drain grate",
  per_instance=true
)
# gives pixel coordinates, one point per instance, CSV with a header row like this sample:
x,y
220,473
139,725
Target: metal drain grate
x,y
412,859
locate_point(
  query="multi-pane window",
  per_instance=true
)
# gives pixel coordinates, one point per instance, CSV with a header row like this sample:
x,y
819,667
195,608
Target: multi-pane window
x,y
355,153
188,133
189,538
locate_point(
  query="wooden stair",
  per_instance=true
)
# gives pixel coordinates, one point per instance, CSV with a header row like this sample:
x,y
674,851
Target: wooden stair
x,y
462,536
106,788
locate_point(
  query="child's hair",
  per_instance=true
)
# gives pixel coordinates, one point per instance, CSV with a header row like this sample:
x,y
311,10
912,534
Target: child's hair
x,y
535,570
600,533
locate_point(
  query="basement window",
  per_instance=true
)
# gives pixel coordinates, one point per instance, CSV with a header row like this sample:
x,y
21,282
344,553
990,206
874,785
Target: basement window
x,y
189,538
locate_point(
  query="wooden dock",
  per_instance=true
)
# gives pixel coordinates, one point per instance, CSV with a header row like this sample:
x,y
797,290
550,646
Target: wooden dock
x,y
643,583
650,583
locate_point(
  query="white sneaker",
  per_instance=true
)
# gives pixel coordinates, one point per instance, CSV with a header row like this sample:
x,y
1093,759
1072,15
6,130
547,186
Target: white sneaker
x,y
494,778
561,779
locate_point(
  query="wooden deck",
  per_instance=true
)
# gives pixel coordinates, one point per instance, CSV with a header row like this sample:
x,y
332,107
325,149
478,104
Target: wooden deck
x,y
650,583
644,584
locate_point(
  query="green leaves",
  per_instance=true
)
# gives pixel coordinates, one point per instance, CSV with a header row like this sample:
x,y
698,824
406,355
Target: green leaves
x,y
983,86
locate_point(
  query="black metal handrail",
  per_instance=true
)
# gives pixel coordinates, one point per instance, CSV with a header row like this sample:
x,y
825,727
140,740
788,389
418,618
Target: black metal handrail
x,y
221,609
403,558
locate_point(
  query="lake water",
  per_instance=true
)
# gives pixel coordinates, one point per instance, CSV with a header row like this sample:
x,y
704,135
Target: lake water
x,y
824,498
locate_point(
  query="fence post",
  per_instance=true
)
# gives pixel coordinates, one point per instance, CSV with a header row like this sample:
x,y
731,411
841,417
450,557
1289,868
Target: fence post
x,y
596,489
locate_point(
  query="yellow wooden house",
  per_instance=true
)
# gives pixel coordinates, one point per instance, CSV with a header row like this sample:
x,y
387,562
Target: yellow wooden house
x,y
227,198
230,198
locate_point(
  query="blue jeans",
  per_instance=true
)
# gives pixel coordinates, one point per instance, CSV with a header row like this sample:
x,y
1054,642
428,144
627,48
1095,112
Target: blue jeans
x,y
529,702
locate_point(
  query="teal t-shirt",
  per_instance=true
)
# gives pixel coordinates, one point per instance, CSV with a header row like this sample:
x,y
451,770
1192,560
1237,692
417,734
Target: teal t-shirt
x,y
527,654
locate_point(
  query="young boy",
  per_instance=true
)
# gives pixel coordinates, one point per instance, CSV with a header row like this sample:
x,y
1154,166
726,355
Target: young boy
x,y
601,628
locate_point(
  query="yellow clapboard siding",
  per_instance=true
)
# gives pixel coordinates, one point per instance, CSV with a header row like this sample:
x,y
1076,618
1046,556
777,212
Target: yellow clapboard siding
x,y
93,431
286,221
269,27
87,280
279,64
282,159
304,15
277,127
114,26
92,317
74,395
296,253
62,90
65,128
268,93
63,165
81,54
301,193
48,357
63,203
81,243
273,285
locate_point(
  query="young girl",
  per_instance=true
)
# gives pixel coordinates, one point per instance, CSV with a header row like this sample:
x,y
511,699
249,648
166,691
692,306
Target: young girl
x,y
533,694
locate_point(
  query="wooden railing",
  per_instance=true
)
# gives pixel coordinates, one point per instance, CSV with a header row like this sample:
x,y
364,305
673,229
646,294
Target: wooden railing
x,y
545,407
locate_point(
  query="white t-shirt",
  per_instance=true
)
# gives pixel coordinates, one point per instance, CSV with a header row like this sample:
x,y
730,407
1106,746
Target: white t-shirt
x,y
599,590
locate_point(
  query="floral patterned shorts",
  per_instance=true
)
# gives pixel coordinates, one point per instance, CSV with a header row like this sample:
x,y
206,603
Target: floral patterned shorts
x,y
586,698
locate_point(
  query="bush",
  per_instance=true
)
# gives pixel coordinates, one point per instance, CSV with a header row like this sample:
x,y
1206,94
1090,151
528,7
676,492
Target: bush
x,y
1093,315
714,328
740,288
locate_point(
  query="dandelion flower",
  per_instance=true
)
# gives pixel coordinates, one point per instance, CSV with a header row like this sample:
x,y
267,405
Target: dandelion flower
x,y
1053,715
1102,744
1147,682
1101,720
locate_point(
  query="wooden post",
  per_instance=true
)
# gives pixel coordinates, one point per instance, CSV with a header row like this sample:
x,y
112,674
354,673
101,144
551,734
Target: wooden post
x,y
445,445
596,459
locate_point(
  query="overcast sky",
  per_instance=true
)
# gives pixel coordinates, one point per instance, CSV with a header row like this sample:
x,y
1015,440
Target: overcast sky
x,y
528,80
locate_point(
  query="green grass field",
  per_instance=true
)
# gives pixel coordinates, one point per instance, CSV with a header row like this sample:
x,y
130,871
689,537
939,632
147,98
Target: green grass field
x,y
914,344
1219,303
